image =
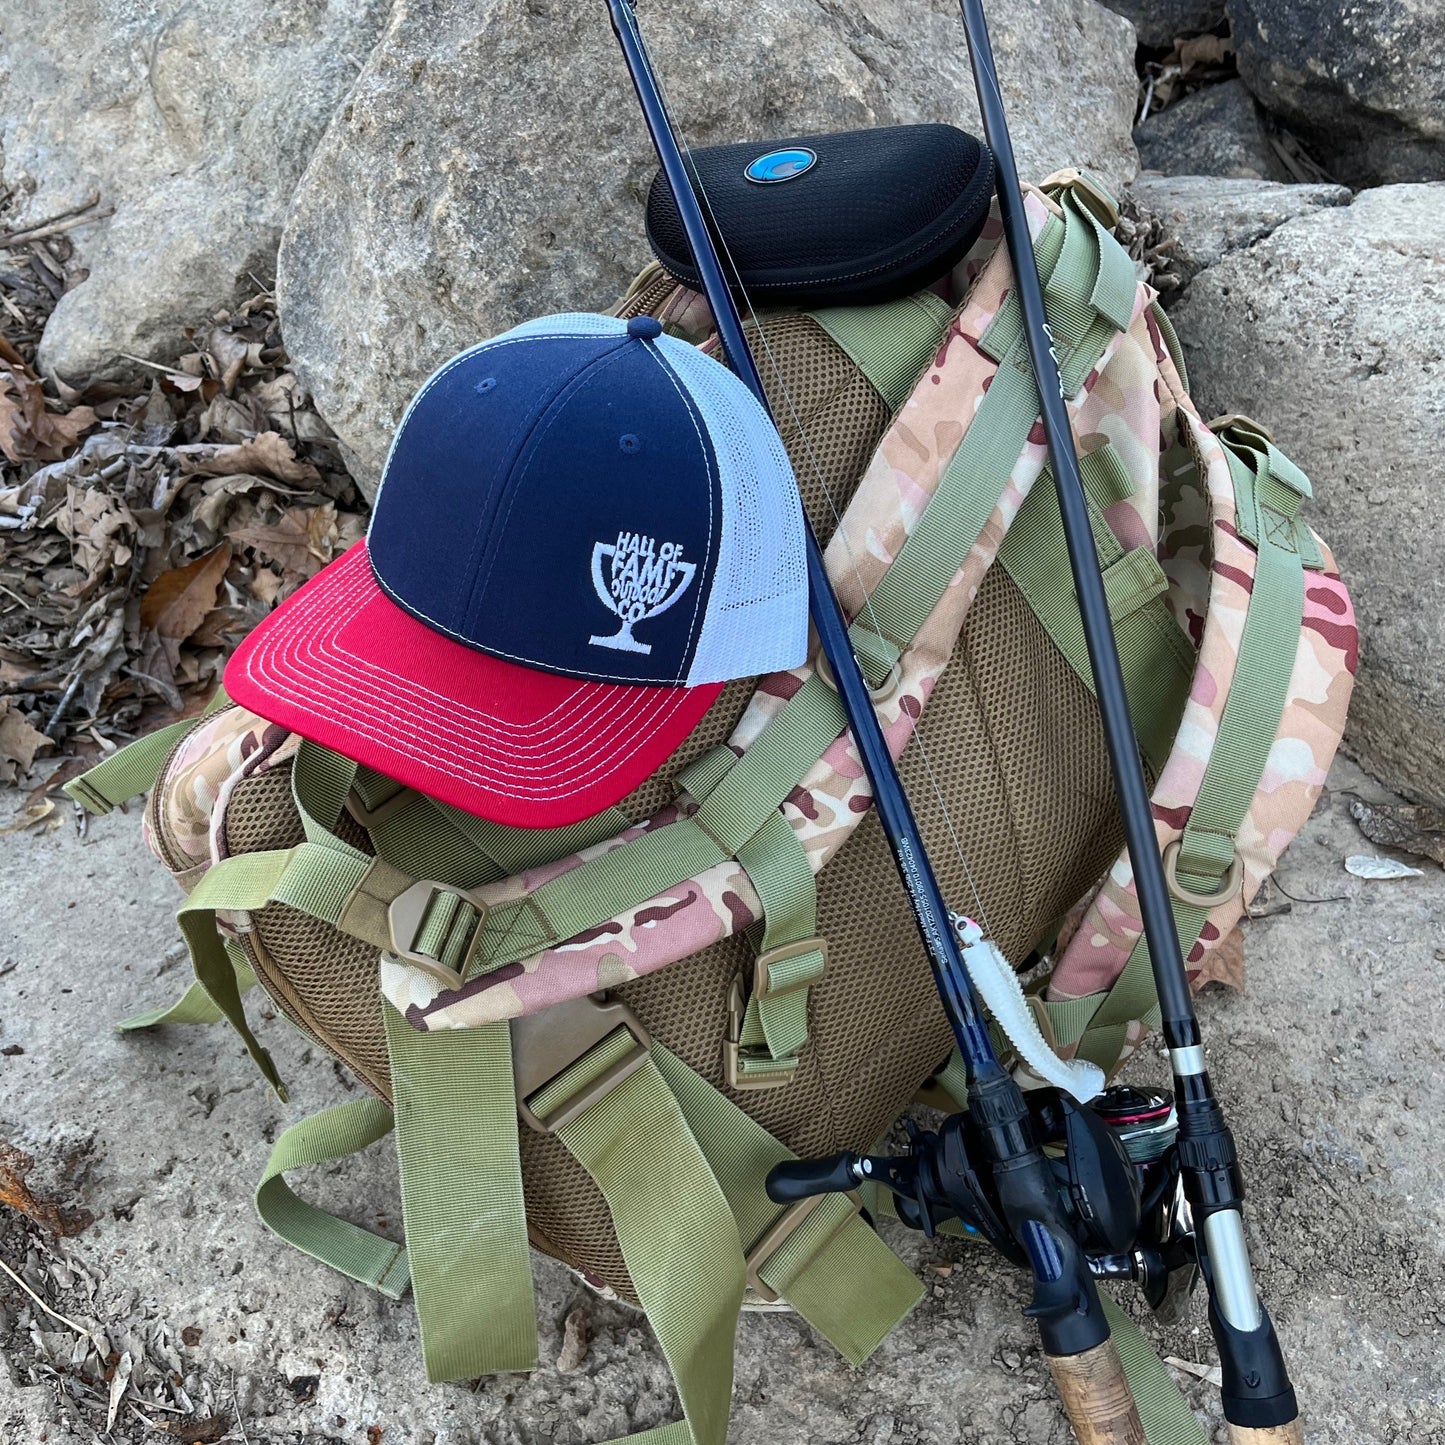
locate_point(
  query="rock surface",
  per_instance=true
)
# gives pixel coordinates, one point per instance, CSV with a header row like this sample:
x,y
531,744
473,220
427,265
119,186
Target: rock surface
x,y
194,123
1363,84
1160,22
1336,1116
472,181
1210,218
1328,329
1216,131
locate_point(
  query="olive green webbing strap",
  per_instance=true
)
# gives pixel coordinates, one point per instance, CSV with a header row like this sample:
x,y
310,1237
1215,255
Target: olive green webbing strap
x,y
1258,692
194,1006
777,1014
731,815
890,344
676,1231
134,769
832,1268
357,1253
977,473
461,1191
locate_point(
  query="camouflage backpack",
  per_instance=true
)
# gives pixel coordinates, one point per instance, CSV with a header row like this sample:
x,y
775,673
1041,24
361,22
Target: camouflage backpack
x,y
642,1013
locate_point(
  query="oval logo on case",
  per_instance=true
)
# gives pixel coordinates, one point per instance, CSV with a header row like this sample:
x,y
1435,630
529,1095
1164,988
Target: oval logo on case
x,y
783,165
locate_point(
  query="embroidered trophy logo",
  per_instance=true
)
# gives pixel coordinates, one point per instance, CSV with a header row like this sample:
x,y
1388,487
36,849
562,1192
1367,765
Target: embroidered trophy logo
x,y
644,578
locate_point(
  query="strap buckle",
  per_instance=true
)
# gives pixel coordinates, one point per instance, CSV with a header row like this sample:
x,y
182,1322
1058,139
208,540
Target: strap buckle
x,y
762,986
547,1044
774,1073
406,916
777,1234
1230,884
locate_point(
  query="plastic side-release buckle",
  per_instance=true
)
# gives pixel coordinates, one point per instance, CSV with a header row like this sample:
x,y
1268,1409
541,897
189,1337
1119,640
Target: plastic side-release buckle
x,y
547,1044
765,1073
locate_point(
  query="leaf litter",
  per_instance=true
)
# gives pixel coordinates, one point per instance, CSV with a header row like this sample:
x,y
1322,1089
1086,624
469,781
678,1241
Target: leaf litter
x,y
1413,828
145,528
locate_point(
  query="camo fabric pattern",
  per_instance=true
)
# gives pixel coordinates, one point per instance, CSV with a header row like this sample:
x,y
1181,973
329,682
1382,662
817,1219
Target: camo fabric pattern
x,y
834,795
185,822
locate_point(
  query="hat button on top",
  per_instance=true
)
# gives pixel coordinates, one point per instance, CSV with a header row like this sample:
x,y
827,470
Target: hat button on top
x,y
645,328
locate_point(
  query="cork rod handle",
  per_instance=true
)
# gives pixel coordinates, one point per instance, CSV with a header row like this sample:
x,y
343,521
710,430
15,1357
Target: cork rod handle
x,y
1291,1434
1097,1398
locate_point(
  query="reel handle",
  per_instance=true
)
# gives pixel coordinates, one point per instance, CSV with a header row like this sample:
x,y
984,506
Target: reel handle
x,y
1097,1398
797,1179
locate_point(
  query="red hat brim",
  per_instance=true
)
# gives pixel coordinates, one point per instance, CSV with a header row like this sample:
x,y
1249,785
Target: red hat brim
x,y
342,665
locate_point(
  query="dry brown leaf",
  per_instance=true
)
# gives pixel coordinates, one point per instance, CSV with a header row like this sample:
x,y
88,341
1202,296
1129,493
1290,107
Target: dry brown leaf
x,y
1200,52
15,1167
28,431
574,1342
19,742
178,601
269,452
205,1431
1224,963
35,813
300,543
1416,829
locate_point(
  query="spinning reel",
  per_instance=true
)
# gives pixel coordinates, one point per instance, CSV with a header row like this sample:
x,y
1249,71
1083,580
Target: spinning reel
x,y
1113,1166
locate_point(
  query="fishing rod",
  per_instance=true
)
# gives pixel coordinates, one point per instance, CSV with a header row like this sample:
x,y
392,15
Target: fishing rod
x,y
1259,1401
1072,1324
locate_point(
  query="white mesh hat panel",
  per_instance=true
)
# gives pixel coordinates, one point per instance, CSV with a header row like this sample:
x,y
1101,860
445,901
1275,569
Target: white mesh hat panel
x,y
757,611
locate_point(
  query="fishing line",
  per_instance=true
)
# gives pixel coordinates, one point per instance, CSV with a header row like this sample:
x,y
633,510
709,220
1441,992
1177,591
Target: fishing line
x,y
778,377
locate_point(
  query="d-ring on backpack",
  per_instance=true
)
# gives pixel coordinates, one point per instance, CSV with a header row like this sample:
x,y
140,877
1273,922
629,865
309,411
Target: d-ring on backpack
x,y
757,1002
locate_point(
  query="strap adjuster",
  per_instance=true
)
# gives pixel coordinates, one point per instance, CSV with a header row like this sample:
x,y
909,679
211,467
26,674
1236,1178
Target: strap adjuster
x,y
771,1073
779,1232
406,916
762,964
546,1044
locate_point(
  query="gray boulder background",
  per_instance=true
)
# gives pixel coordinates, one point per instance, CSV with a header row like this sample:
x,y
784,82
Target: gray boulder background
x,y
1208,218
1328,328
1160,22
1217,131
491,164
1364,84
193,122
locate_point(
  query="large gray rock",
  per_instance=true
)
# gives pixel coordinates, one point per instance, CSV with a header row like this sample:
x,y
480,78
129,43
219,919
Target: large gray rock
x,y
1208,218
193,123
1161,22
474,179
1364,84
1328,330
1216,131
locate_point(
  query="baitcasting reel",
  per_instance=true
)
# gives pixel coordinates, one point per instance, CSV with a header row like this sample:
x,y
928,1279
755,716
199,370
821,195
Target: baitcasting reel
x,y
1113,1162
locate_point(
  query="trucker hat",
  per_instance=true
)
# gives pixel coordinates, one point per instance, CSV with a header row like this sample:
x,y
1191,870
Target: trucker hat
x,y
584,529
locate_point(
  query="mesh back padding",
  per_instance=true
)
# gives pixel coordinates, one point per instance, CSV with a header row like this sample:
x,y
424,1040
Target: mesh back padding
x,y
1017,748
